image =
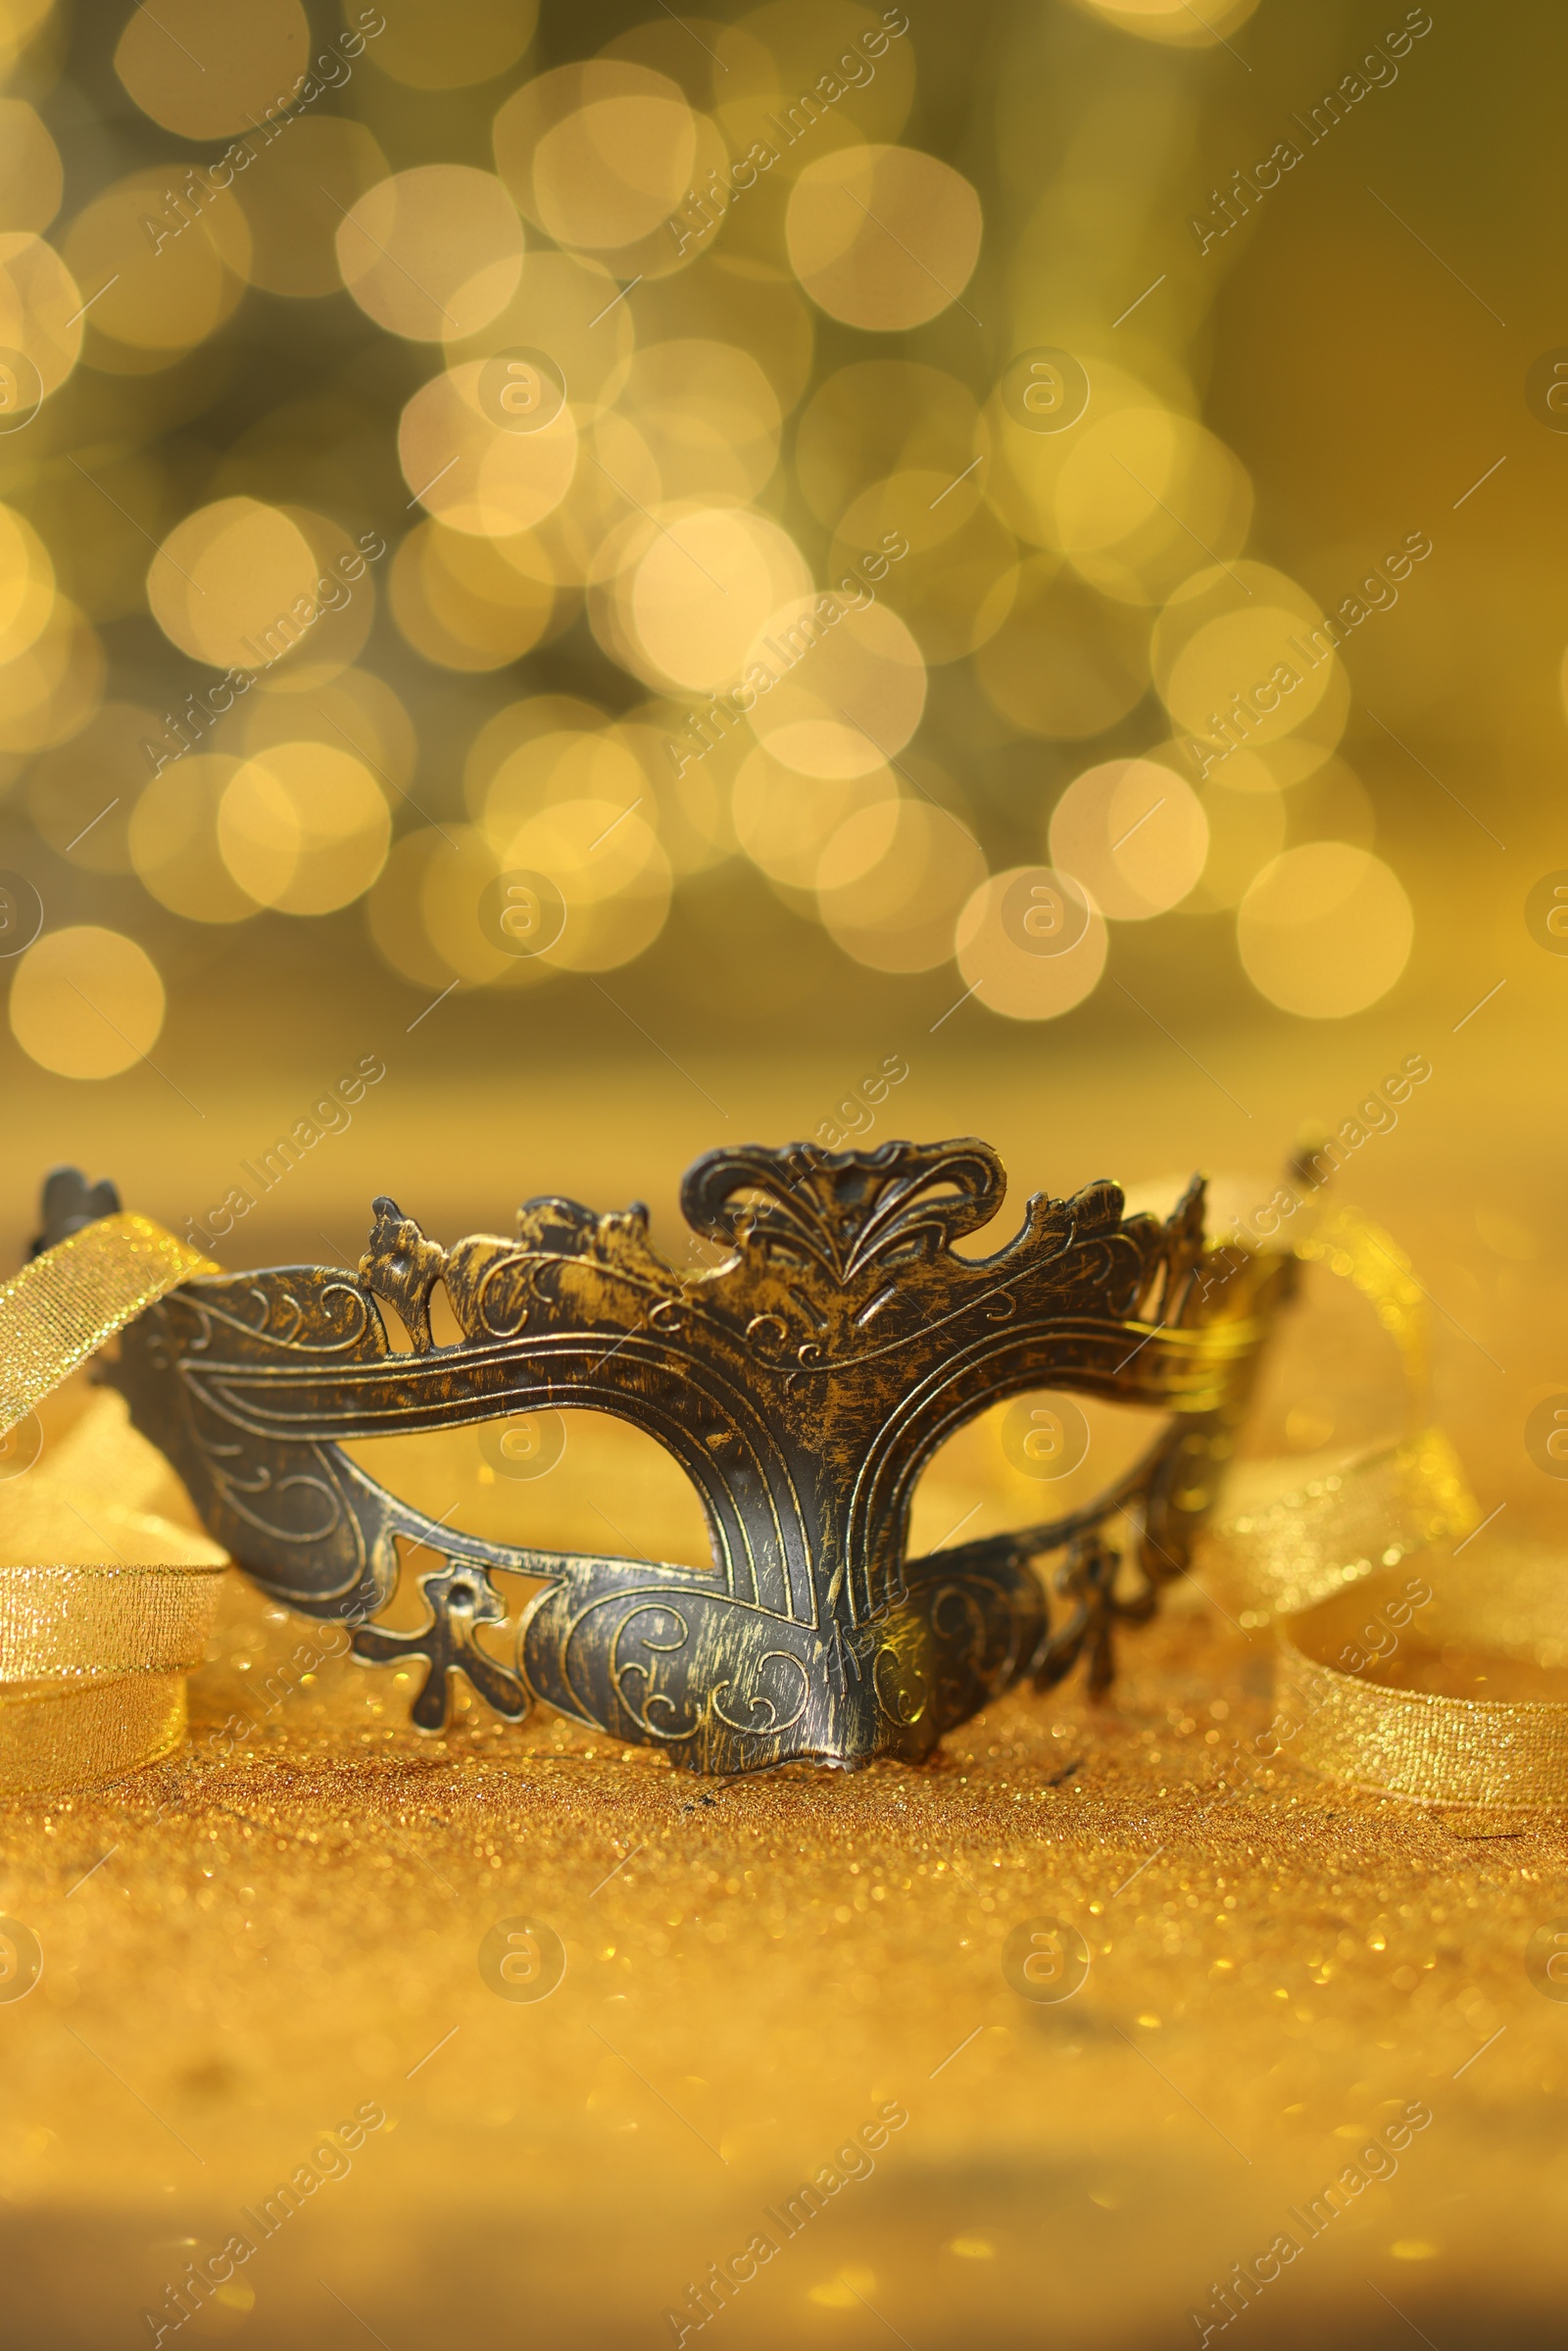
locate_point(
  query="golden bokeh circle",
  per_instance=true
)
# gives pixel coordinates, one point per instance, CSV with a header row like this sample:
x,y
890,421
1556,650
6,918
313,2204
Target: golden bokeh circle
x,y
229,579
1325,930
616,168
26,584
1252,670
606,861
87,1003
469,472
21,21
1214,591
519,751
40,312
598,154
355,709
882,237
31,174
423,909
1133,834
570,765
460,603
892,880
1006,973
848,687
304,827
1173,23
323,632
433,253
445,879
206,68
153,290
565,307
173,840
704,590
706,415
54,688
1138,491
783,821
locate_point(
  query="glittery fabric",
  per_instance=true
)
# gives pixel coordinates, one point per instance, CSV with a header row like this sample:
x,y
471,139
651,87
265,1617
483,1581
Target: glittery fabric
x,y
1480,1717
105,1603
65,1622
62,1735
289,1921
1292,1532
66,1303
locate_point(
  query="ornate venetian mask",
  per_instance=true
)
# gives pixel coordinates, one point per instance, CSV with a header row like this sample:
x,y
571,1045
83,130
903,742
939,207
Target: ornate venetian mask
x,y
802,1381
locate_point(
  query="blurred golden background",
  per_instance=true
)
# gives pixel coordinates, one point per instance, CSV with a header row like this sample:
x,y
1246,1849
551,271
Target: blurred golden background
x,y
641,575
580,585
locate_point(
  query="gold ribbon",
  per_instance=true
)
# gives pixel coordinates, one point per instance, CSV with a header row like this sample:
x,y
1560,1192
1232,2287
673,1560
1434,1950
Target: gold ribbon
x,y
1401,1667
1297,1531
105,1605
1435,1682
68,1300
1294,1532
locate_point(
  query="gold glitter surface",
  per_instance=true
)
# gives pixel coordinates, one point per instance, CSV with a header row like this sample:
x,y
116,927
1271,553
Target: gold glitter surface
x,y
246,1946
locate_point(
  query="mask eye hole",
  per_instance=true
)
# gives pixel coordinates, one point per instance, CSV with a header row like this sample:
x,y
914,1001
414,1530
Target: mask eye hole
x,y
1037,1457
567,1479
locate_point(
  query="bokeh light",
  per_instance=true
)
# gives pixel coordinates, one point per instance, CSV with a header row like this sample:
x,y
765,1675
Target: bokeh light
x,y
705,590
891,881
882,237
32,175
1133,834
469,470
848,686
87,1003
204,68
40,319
637,501
234,583
150,292
460,604
598,155
302,827
172,841
431,252
1023,967
1173,22
1324,930
784,821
